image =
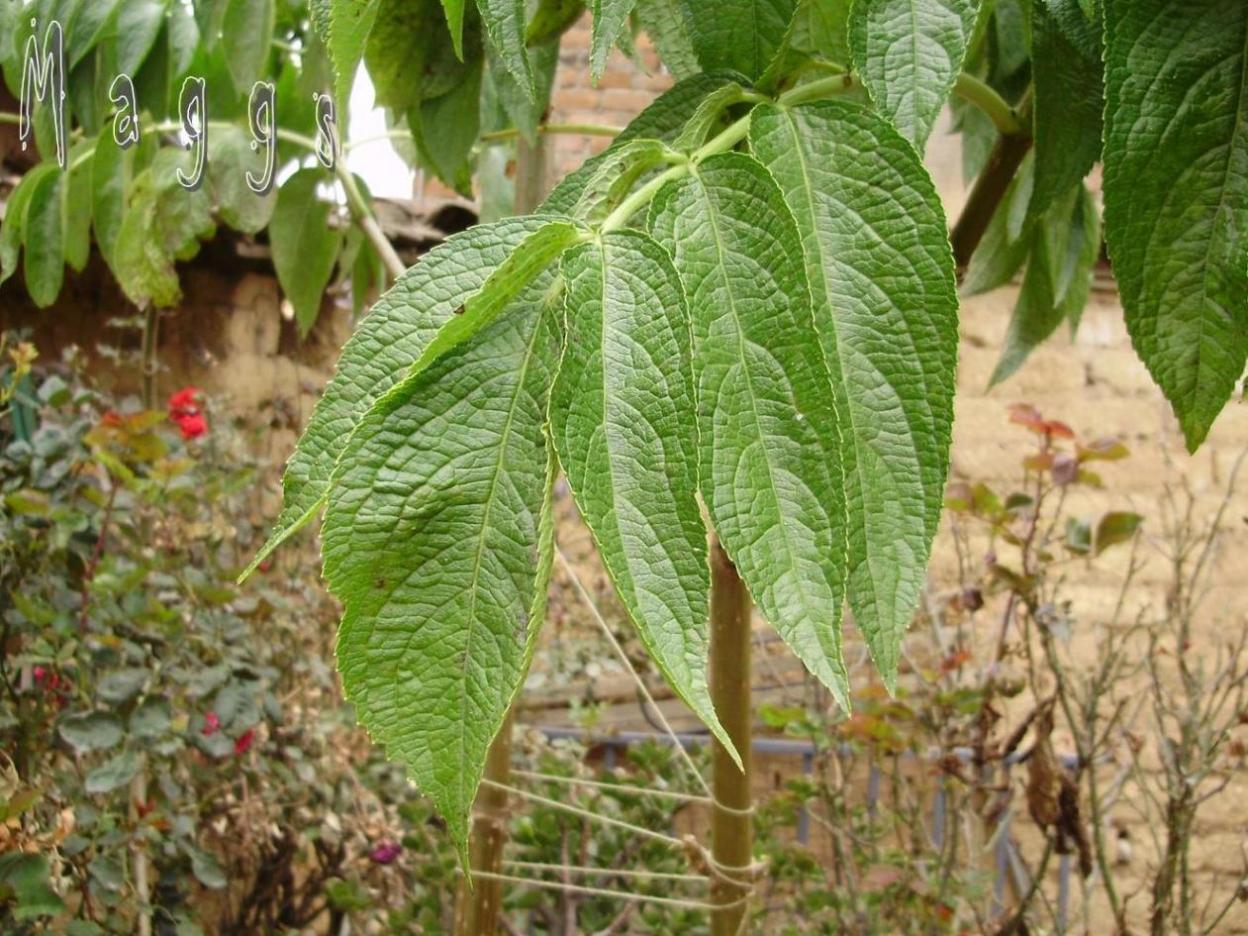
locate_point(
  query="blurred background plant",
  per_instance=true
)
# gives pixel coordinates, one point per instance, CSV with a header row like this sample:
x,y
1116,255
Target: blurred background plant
x,y
178,759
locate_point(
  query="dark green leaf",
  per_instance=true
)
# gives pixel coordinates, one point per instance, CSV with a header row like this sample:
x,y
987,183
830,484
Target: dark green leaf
x,y
504,24
610,18
664,21
349,25
44,234
304,244
1176,194
93,732
113,774
742,35
1116,528
247,33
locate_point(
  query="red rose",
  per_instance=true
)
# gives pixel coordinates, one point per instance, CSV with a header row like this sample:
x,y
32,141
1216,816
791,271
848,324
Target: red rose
x,y
212,724
243,744
185,400
191,425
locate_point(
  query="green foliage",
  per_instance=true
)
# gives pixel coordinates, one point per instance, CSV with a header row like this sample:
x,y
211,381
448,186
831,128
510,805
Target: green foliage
x,y
305,246
1176,195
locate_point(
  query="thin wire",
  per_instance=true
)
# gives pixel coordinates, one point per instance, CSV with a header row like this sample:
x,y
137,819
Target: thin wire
x,y
609,872
615,644
620,787
616,895
586,814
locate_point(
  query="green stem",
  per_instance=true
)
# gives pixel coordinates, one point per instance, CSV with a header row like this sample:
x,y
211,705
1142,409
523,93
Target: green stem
x,y
574,129
1005,118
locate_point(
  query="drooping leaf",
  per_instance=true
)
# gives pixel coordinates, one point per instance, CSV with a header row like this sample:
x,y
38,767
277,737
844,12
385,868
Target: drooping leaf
x,y
664,22
504,24
908,54
347,31
76,210
1176,194
1064,248
247,32
408,61
769,459
132,34
881,278
523,108
1069,99
85,27
445,130
454,10
112,170
1003,249
12,232
230,158
44,233
610,18
444,584
623,423
742,35
551,18
163,222
305,247
389,340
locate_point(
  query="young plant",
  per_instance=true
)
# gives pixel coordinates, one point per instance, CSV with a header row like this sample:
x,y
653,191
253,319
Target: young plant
x,y
740,320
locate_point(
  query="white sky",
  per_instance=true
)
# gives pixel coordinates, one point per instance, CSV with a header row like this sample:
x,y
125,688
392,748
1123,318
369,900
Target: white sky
x,y
376,162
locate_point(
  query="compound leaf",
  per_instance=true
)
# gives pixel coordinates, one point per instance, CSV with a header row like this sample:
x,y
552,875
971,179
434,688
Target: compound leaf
x,y
1176,194
623,423
769,457
882,286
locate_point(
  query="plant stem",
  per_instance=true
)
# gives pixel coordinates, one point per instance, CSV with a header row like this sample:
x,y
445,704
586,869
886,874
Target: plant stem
x,y
147,362
1005,118
989,189
363,214
479,904
572,129
731,827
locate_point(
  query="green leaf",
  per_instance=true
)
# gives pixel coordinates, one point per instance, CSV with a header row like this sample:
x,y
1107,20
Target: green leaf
x,y
551,19
437,539
112,169
1069,99
1115,528
44,233
881,278
12,232
908,54
305,246
247,33
610,18
120,685
230,157
769,458
408,62
445,130
664,22
742,35
1055,288
164,222
524,109
1176,194
528,261
708,116
504,24
92,732
132,34
207,869
28,878
1003,249
615,175
350,22
89,22
385,346
76,210
114,773
454,11
624,426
